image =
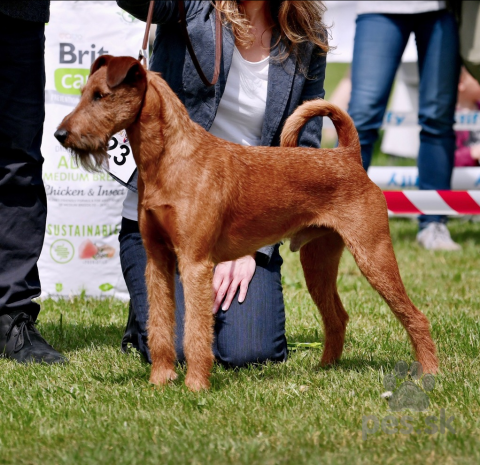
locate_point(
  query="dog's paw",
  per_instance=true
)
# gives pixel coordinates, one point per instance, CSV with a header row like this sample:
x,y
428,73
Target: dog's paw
x,y
429,362
162,376
196,383
404,393
331,353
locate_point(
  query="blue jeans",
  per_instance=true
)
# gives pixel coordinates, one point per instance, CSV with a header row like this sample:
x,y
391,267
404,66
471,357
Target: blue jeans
x,y
23,203
251,332
380,40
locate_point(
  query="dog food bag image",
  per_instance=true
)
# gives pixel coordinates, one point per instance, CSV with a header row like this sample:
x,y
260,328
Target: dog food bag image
x,y
88,250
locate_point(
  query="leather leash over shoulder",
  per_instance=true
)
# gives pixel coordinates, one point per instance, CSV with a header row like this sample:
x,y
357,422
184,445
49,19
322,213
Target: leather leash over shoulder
x,y
142,56
218,45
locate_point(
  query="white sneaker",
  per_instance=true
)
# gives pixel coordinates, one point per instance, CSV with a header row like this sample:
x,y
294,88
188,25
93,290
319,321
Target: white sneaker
x,y
436,237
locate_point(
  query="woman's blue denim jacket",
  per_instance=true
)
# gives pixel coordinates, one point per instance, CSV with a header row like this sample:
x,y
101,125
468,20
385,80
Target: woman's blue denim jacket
x,y
288,86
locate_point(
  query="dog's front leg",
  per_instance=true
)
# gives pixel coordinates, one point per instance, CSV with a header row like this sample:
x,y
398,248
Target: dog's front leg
x,y
198,338
160,279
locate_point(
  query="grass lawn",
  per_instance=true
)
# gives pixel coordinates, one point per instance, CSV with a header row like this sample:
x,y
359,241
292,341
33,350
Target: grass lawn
x,y
100,409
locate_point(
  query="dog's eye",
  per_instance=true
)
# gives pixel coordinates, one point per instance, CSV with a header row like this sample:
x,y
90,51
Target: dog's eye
x,y
98,96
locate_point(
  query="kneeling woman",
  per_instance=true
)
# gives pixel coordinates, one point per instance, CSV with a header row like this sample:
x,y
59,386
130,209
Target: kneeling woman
x,y
273,60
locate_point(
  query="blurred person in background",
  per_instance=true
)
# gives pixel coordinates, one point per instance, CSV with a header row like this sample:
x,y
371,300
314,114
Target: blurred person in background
x,y
382,32
23,202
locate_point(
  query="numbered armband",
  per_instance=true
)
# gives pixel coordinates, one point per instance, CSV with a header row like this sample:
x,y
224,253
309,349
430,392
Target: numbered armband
x,y
121,163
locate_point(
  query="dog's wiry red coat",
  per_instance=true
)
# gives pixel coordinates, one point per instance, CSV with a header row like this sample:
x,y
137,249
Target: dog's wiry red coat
x,y
203,200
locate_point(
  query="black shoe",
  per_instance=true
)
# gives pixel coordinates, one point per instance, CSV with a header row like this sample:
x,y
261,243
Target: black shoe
x,y
21,341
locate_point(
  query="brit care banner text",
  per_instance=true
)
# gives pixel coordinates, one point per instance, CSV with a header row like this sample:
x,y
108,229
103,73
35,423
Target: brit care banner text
x,y
81,250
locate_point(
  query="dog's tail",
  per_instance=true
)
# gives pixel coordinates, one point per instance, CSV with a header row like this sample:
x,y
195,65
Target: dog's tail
x,y
347,134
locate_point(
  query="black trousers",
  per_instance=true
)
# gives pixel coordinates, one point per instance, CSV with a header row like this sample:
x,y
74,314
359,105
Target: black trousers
x,y
23,203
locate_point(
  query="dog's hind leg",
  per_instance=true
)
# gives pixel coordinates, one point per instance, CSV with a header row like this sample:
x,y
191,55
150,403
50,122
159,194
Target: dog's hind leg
x,y
198,290
160,279
367,236
320,259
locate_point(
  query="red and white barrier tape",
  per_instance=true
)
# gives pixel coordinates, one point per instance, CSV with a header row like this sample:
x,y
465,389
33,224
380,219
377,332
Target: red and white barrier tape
x,y
415,202
451,203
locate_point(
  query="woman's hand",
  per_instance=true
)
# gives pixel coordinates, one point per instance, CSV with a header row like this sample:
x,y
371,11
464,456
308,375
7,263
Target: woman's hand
x,y
228,277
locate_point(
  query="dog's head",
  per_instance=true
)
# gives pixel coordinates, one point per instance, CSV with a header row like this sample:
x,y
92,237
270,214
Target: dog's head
x,y
110,102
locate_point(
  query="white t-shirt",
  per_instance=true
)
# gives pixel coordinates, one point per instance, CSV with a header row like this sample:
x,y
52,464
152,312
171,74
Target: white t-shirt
x,y
399,7
240,113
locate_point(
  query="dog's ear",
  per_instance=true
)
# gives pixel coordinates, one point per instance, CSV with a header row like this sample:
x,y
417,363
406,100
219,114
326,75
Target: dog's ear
x,y
102,60
124,70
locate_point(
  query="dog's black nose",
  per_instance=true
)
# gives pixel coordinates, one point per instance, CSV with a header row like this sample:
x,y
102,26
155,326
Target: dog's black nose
x,y
61,135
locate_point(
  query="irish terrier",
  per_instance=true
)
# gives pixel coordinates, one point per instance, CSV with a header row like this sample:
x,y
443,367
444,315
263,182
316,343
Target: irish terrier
x,y
203,200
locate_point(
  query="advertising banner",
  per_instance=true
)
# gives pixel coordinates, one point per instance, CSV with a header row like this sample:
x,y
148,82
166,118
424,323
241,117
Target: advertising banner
x,y
81,249
406,177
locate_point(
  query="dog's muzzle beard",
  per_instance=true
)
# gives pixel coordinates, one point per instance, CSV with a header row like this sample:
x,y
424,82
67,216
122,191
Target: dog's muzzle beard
x,y
88,151
91,161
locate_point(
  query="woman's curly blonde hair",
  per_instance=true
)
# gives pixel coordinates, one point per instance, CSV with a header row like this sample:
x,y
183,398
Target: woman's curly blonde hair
x,y
297,22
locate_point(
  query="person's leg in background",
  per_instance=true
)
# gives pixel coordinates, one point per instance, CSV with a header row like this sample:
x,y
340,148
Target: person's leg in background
x,y
254,331
379,44
23,203
439,67
133,259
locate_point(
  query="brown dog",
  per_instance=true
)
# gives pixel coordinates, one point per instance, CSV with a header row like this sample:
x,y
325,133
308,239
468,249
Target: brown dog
x,y
205,200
